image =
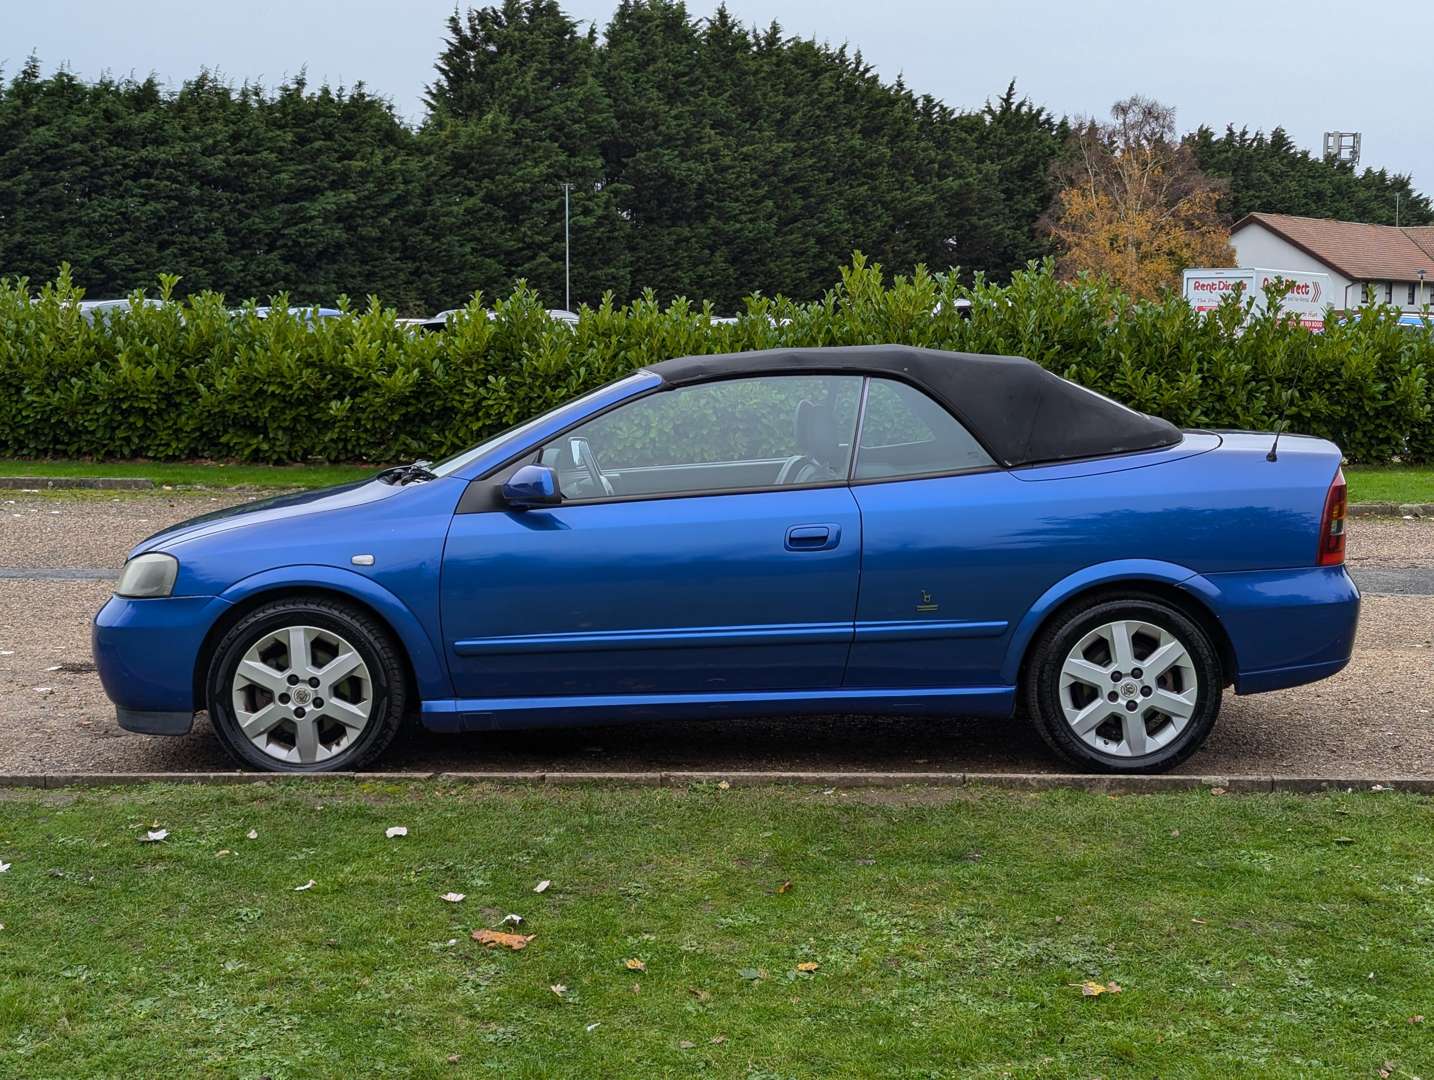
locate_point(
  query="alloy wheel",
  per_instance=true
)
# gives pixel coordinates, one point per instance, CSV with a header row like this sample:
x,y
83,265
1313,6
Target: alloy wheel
x,y
1128,688
302,694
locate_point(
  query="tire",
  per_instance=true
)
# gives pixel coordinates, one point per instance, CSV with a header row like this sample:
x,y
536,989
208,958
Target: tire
x,y
342,651
1070,684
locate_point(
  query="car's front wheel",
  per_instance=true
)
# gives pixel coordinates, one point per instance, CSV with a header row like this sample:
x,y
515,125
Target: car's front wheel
x,y
306,684
1124,684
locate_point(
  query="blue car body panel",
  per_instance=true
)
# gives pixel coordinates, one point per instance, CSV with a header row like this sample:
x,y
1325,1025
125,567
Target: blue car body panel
x,y
904,595
660,596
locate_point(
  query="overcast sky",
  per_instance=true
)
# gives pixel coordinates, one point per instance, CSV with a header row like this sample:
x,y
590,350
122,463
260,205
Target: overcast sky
x,y
1311,66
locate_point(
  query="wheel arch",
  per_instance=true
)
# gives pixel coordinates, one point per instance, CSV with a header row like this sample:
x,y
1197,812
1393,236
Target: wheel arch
x,y
423,667
1162,581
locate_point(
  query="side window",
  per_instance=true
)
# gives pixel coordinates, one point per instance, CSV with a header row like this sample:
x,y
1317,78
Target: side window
x,y
734,435
905,433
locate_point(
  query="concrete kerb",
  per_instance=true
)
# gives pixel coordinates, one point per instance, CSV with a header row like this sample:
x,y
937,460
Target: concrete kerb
x,y
1389,509
1100,783
94,483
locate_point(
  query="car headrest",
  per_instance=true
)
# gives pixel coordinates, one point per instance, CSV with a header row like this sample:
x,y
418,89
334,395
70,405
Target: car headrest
x,y
816,432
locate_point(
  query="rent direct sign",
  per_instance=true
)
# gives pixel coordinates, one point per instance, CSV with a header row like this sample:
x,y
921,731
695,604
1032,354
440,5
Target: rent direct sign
x,y
1307,299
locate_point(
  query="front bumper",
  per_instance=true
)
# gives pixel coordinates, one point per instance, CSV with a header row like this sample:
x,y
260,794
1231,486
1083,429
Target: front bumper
x,y
146,652
1287,627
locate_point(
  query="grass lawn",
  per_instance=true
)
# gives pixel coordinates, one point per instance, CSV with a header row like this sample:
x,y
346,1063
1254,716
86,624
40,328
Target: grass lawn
x,y
185,473
1249,936
1394,483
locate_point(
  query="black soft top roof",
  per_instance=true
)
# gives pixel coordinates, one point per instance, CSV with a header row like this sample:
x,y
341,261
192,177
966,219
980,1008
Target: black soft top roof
x,y
1022,413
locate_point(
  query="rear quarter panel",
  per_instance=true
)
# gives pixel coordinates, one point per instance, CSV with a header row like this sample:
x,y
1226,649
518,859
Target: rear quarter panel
x,y
1010,546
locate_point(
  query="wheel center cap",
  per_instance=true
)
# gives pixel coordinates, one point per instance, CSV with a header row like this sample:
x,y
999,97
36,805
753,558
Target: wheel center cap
x,y
1129,688
300,696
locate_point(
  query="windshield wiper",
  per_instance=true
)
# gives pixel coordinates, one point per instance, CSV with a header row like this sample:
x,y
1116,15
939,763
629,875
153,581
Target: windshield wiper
x,y
408,474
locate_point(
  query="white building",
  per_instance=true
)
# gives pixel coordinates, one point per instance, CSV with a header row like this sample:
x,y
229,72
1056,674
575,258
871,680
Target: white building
x,y
1398,263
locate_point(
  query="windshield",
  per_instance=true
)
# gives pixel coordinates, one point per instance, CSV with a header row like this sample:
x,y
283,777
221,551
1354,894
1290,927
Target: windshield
x,y
458,461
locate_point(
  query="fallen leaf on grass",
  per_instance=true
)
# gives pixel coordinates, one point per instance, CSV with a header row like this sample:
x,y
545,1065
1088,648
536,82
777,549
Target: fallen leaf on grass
x,y
1344,839
222,852
514,919
593,1027
559,989
1198,922
1217,791
752,974
154,836
453,897
808,965
686,1044
495,938
784,887
700,994
718,1040
4,866
252,834
1416,1019
723,786
395,830
634,964
542,886
1174,833
454,1059
305,887
1091,988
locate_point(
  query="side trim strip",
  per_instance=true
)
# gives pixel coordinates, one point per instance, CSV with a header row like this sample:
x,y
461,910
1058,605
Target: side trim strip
x,y
921,629
676,637
705,637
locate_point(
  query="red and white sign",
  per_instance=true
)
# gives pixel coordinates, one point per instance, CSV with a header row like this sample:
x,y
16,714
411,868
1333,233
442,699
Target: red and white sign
x,y
1307,299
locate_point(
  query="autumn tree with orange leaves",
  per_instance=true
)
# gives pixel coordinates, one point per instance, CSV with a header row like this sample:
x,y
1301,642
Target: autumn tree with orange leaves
x,y
1133,205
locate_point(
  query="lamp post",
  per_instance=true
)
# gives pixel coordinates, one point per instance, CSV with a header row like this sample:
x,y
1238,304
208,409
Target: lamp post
x,y
567,251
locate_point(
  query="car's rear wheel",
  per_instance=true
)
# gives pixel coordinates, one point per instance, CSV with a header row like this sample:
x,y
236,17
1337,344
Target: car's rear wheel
x,y
1124,684
306,685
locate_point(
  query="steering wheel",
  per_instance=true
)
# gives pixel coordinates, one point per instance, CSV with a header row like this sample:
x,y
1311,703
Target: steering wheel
x,y
581,451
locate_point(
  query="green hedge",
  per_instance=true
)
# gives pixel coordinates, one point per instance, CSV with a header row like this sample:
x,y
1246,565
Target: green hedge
x,y
190,380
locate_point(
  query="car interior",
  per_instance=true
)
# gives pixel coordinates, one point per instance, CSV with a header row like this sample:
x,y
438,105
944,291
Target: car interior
x,y
905,434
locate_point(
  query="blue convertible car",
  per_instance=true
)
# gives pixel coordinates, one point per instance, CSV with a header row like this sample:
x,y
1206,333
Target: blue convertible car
x,y
864,529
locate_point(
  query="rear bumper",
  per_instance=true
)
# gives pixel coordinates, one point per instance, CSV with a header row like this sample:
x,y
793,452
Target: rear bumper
x,y
1287,627
146,651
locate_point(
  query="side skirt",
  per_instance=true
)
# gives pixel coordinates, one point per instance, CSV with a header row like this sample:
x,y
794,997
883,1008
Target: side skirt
x,y
498,714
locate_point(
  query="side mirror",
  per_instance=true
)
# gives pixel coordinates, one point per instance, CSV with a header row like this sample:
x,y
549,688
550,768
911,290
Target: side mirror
x,y
532,486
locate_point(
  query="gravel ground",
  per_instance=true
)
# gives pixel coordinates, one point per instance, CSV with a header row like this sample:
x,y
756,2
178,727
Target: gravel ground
x,y
1375,718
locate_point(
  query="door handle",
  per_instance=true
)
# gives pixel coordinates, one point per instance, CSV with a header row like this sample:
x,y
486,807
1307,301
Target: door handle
x,y
813,537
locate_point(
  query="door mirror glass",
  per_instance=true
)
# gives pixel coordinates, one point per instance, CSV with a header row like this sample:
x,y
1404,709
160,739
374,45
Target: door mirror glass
x,y
532,486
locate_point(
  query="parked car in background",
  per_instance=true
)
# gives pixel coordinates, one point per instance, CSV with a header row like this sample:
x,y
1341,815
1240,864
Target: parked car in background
x,y
308,314
440,320
874,529
90,310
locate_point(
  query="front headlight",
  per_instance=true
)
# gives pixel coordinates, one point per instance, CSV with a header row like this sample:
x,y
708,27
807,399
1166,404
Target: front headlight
x,y
148,576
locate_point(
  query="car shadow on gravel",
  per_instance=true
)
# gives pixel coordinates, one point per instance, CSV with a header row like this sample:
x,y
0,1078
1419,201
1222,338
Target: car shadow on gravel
x,y
835,743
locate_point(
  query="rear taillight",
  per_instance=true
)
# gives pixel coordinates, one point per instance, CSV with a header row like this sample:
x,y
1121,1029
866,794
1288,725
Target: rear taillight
x,y
1331,529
